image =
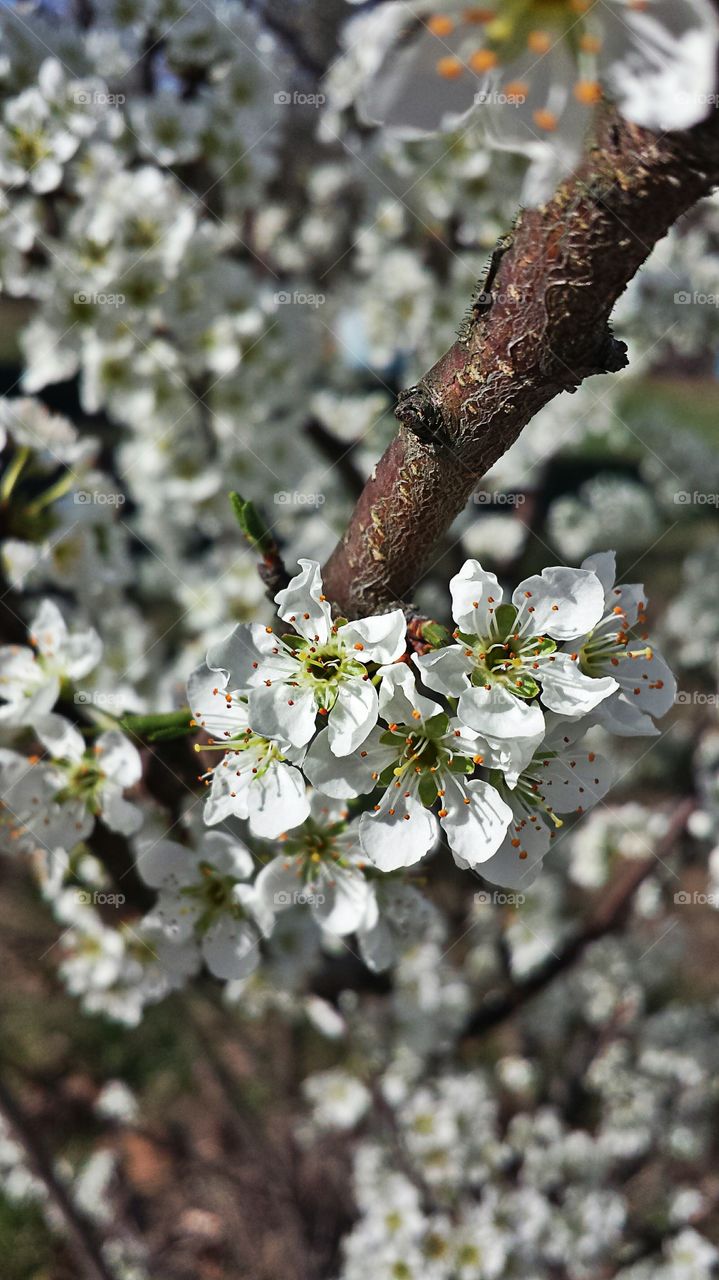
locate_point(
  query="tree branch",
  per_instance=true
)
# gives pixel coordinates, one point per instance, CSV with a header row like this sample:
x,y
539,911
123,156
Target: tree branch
x,y
609,917
543,330
80,1229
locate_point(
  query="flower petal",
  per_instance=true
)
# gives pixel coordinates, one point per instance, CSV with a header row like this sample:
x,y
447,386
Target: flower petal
x,y
476,820
353,716
559,602
475,596
303,604
390,841
284,713
378,639
346,776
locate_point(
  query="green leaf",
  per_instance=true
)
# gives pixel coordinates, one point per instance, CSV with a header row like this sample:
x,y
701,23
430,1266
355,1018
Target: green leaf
x,y
251,523
161,726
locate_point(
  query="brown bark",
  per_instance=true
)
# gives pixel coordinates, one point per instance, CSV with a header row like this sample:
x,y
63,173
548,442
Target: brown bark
x,y
546,330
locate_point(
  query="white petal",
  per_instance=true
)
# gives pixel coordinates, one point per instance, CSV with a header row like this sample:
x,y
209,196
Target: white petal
x,y
346,776
659,62
118,758
61,738
518,861
498,714
574,780
247,656
647,683
445,670
118,814
559,602
345,902
474,830
271,714
165,862
567,691
399,696
406,92
230,948
389,840
277,801
379,639
604,564
475,596
279,883
353,716
213,707
302,605
227,854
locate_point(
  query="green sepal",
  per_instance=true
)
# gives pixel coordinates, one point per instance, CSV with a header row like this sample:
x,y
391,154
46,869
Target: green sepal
x,y
524,686
460,764
504,619
427,790
437,725
434,634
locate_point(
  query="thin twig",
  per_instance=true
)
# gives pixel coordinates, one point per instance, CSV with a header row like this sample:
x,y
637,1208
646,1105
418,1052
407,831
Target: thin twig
x,y
609,917
79,1227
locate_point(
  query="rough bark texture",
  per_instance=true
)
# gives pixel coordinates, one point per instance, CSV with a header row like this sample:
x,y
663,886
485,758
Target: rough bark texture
x,y
546,329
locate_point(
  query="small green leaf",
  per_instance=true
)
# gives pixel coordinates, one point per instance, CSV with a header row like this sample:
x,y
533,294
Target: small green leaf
x,y
251,523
